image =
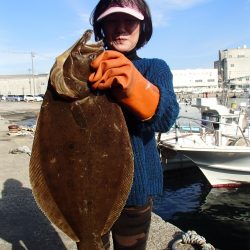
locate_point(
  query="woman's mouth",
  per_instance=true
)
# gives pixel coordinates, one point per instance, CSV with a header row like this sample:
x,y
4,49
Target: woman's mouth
x,y
120,39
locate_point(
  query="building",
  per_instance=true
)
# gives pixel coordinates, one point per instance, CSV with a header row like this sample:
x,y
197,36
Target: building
x,y
234,67
195,80
23,84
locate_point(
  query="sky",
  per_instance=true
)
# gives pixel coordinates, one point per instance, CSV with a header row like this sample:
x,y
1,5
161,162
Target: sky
x,y
188,34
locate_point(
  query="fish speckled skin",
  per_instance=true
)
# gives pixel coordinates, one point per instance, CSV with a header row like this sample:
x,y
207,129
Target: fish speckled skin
x,y
81,166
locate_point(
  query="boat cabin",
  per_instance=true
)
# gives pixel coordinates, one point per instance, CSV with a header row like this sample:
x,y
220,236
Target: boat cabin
x,y
219,117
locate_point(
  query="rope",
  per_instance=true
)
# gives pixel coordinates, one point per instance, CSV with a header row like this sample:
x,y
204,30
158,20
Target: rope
x,y
192,238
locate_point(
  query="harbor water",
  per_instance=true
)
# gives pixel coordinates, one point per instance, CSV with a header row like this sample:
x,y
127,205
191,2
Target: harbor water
x,y
221,215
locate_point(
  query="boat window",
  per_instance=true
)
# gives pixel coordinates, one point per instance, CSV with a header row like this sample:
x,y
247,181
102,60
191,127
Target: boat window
x,y
231,120
212,119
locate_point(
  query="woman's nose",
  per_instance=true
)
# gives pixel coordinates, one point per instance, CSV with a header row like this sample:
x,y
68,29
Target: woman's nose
x,y
120,26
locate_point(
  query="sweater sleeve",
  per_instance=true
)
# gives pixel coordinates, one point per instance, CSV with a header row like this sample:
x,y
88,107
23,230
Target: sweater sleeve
x,y
168,109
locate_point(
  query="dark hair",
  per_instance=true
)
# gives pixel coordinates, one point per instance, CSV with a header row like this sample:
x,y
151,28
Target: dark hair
x,y
146,24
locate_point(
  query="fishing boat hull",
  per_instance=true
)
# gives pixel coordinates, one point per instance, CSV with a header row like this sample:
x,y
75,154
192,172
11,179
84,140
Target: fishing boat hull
x,y
223,167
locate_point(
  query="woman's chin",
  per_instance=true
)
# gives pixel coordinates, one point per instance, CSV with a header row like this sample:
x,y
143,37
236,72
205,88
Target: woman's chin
x,y
120,47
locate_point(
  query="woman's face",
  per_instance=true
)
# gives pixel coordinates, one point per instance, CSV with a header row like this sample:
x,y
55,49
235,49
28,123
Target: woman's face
x,y
121,31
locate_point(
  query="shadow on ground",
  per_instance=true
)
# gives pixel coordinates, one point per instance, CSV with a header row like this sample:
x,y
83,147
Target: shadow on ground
x,y
22,223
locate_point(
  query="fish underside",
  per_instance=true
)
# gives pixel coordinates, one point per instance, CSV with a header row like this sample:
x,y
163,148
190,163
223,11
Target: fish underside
x,y
81,166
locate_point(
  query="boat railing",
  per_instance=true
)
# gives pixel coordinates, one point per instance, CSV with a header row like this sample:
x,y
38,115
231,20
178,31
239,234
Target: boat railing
x,y
186,126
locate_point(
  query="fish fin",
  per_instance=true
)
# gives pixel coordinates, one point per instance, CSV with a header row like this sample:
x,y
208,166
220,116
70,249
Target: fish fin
x,y
118,206
43,195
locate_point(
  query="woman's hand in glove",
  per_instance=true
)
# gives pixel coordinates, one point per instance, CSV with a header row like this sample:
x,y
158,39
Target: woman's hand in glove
x,y
112,70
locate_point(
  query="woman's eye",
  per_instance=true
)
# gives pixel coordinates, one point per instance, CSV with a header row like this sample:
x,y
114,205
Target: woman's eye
x,y
129,21
132,22
109,21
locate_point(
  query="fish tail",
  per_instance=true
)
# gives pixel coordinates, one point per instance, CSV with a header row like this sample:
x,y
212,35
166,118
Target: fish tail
x,y
90,244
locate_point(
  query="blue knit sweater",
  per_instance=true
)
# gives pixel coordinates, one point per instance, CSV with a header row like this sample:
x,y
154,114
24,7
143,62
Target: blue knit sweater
x,y
148,174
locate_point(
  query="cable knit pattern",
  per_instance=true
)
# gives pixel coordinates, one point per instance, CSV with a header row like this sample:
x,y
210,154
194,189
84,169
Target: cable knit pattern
x,y
148,174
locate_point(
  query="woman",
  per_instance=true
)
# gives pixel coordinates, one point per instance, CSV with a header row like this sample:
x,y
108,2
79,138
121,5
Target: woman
x,y
144,89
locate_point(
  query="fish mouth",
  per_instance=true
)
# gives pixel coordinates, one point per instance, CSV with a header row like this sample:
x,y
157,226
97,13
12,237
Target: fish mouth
x,y
90,46
93,47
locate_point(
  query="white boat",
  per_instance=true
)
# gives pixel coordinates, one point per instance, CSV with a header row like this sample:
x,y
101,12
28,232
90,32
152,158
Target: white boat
x,y
218,143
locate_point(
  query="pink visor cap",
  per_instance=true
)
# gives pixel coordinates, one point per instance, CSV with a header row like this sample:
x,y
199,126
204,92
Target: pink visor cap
x,y
127,10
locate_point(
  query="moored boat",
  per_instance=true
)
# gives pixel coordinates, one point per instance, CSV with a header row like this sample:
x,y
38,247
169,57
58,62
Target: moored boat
x,y
218,144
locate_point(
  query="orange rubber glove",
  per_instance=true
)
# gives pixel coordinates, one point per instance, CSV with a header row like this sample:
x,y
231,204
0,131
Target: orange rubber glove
x,y
112,70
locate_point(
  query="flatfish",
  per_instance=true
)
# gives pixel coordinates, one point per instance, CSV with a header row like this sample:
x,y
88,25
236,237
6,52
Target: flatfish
x,y
81,166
